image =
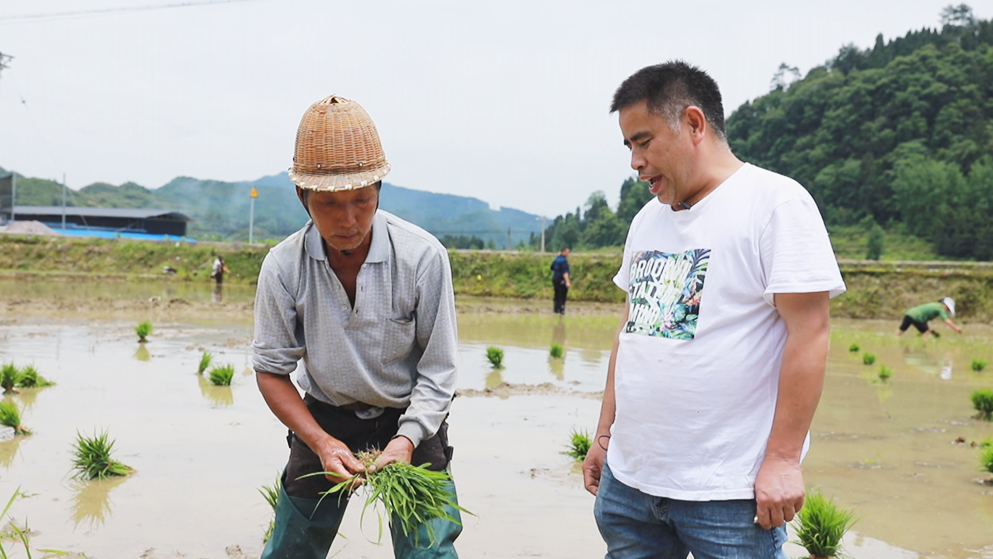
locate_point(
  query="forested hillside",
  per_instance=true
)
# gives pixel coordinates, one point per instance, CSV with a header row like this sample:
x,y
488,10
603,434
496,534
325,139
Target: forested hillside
x,y
899,135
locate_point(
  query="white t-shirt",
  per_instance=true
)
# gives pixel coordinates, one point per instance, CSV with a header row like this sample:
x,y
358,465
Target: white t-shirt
x,y
698,363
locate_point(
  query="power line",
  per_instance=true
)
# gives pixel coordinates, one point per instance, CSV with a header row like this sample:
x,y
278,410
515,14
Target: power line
x,y
110,11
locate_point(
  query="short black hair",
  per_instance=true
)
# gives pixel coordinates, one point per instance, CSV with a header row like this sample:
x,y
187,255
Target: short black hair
x,y
671,87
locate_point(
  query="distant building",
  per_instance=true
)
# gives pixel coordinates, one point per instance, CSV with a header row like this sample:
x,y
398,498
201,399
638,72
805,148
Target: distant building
x,y
104,222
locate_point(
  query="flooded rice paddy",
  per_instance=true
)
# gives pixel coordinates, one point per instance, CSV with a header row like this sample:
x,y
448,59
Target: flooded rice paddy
x,y
899,453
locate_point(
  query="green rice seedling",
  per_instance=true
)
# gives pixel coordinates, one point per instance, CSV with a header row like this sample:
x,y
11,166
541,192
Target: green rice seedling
x,y
821,524
271,495
92,460
8,377
986,443
579,445
205,360
978,364
495,355
854,348
556,351
29,378
221,375
143,329
11,417
868,358
885,373
986,459
410,495
982,401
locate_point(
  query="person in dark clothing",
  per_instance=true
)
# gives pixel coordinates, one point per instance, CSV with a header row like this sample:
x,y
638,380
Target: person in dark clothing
x,y
560,280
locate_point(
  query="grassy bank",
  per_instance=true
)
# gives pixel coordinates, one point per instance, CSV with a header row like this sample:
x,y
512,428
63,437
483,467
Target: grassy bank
x,y
875,289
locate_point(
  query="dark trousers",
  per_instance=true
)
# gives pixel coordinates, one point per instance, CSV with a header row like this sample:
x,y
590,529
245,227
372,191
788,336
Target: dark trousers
x,y
560,293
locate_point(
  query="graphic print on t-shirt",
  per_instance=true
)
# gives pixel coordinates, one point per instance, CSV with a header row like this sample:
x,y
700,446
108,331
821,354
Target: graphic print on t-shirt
x,y
665,291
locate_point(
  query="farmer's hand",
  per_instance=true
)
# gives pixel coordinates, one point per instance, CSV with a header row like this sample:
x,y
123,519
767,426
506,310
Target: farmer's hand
x,y
400,449
779,492
337,459
593,466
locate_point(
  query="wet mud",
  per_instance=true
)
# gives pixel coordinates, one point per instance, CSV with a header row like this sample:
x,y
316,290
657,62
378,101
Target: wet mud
x,y
899,453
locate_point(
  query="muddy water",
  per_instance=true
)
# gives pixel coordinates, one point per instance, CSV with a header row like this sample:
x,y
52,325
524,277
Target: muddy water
x,y
886,450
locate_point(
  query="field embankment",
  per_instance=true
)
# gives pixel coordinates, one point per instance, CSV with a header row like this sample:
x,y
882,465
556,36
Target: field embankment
x,y
875,289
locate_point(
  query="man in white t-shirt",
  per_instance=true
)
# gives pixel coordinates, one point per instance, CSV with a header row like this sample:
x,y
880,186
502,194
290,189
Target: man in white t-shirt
x,y
718,364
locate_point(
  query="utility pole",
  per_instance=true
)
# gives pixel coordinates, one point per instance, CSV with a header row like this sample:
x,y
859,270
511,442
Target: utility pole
x,y
63,203
4,59
508,238
251,213
542,218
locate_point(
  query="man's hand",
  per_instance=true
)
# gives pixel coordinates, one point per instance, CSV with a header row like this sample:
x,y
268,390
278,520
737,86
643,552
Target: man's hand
x,y
337,460
400,449
779,491
593,467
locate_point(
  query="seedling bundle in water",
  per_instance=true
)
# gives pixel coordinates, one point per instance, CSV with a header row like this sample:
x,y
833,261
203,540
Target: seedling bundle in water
x,y
556,351
91,458
495,356
205,360
411,495
143,329
868,358
821,524
982,401
11,417
221,375
579,445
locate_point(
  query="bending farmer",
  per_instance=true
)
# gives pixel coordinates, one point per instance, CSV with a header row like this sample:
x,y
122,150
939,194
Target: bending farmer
x,y
365,300
920,315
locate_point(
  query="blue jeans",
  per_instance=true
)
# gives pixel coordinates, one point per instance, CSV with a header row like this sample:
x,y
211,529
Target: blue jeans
x,y
639,526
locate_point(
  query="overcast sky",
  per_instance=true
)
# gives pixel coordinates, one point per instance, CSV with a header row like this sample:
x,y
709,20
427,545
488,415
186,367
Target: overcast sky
x,y
504,101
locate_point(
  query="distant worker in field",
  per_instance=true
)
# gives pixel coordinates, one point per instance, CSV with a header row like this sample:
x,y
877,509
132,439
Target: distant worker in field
x,y
219,269
920,315
365,301
560,280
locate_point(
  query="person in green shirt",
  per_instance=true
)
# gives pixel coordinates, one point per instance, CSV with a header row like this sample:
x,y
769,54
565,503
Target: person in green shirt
x,y
921,314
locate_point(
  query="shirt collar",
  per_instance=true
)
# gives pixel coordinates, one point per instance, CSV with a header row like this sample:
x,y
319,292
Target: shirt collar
x,y
379,250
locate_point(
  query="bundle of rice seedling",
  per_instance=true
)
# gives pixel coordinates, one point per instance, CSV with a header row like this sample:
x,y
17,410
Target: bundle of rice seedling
x,y
579,445
821,524
411,495
91,458
11,417
221,375
495,356
205,360
556,351
29,378
8,377
143,329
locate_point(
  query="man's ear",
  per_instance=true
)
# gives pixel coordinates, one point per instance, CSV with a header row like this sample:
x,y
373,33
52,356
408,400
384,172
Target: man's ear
x,y
303,199
696,121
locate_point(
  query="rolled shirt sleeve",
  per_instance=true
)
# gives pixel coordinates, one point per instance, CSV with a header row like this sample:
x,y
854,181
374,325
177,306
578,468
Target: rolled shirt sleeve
x,y
278,343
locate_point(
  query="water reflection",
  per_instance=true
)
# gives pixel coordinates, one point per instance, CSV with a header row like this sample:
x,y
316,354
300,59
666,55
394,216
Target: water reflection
x,y
9,448
216,395
142,354
91,502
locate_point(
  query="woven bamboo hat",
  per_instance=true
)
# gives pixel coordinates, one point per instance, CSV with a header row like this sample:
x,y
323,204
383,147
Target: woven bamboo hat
x,y
337,148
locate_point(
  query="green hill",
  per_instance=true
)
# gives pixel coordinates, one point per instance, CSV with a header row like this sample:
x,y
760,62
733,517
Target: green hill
x,y
220,210
899,133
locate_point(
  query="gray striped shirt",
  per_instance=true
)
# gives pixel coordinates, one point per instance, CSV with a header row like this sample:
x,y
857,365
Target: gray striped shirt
x,y
398,346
